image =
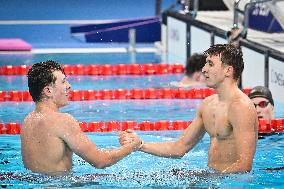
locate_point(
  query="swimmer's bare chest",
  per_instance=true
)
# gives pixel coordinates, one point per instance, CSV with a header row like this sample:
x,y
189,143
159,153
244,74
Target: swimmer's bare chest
x,y
216,120
222,145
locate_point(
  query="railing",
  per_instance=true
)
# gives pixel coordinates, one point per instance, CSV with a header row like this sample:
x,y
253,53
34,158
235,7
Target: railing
x,y
245,13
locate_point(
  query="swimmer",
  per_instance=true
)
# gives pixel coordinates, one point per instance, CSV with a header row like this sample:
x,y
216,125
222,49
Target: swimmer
x,y
229,117
263,102
49,138
193,76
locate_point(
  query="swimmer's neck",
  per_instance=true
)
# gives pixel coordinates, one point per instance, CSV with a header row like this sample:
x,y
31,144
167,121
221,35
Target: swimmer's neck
x,y
46,106
227,91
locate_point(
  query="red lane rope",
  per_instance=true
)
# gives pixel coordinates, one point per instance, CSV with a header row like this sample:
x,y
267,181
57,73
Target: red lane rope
x,y
106,69
276,125
121,94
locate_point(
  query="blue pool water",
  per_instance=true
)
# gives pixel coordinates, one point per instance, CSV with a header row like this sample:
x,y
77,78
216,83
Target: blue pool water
x,y
99,82
108,110
139,169
80,58
145,171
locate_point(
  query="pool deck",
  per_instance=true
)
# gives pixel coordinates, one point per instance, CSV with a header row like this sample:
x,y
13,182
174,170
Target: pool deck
x,y
224,20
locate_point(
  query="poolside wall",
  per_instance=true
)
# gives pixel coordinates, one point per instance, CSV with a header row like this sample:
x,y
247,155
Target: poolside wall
x,y
183,35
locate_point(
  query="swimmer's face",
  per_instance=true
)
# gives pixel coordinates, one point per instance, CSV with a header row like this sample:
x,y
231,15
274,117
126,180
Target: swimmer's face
x,y
264,109
60,90
214,71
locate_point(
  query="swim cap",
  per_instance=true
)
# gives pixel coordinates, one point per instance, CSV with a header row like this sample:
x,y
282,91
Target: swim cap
x,y
260,91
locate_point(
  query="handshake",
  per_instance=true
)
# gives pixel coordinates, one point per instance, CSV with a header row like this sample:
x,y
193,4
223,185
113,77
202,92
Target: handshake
x,y
128,137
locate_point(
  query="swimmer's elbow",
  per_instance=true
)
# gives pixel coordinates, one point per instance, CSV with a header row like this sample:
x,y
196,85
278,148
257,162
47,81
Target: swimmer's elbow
x,y
100,165
178,155
179,150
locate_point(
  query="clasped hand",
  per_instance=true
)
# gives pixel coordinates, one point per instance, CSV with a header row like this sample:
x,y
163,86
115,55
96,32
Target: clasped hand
x,y
129,137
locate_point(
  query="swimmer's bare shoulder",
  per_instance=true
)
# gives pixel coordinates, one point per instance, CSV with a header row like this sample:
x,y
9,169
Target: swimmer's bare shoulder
x,y
242,108
210,98
66,123
242,104
206,102
55,123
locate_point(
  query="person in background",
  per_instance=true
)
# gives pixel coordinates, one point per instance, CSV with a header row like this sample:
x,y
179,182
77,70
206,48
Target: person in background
x,y
229,117
48,137
193,75
263,102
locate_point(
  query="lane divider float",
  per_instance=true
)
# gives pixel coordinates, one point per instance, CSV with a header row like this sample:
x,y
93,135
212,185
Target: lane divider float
x,y
265,127
106,69
121,94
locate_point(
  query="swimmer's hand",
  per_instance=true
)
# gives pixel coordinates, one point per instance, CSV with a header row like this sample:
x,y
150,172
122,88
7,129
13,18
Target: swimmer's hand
x,y
128,137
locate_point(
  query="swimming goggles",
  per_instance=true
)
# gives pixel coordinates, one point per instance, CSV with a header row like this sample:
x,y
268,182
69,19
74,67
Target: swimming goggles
x,y
262,104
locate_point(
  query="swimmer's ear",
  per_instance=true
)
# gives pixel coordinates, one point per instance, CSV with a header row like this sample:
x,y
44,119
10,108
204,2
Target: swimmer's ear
x,y
47,91
229,71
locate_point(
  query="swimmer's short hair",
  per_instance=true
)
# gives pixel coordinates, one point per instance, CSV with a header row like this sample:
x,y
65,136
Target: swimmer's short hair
x,y
229,55
41,75
195,63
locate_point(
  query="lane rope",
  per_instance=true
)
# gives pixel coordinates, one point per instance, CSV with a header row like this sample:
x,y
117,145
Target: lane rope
x,y
105,69
265,127
121,94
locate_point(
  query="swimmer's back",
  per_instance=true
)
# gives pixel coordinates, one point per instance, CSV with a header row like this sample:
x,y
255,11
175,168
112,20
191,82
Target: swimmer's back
x,y
42,147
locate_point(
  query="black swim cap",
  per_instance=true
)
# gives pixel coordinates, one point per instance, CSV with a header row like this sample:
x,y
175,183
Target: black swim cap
x,y
260,91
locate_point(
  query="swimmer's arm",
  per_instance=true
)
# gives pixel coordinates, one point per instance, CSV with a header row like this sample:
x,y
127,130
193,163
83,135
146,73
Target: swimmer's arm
x,y
244,121
178,148
80,144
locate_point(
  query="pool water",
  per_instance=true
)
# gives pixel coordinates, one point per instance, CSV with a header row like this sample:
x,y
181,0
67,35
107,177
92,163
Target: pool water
x,y
99,82
143,170
109,110
80,58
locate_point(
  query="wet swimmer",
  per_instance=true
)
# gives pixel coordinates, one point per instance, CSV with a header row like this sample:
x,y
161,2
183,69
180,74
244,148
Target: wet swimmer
x,y
49,138
262,98
229,117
